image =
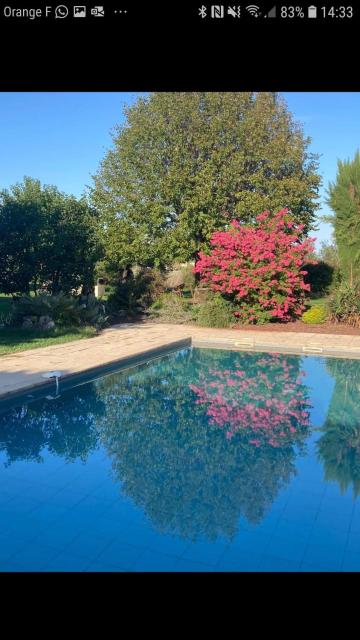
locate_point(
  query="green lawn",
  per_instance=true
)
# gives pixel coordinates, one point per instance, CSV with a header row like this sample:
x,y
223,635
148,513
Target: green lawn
x,y
14,339
319,302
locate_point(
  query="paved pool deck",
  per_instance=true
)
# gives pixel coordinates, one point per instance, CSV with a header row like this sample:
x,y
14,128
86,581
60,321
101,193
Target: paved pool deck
x,y
128,342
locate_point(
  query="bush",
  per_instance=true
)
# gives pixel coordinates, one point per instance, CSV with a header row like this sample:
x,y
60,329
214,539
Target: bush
x,y
320,276
140,290
64,310
172,308
315,315
259,267
92,311
344,304
215,312
6,319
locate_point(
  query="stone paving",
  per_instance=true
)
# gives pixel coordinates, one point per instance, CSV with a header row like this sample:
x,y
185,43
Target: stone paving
x,y
22,371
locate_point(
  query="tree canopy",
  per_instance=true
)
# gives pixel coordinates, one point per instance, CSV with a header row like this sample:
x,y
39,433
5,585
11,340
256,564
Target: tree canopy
x,y
183,165
344,200
47,239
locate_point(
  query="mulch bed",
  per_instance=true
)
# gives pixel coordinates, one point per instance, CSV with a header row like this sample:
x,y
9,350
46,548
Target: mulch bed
x,y
301,327
290,327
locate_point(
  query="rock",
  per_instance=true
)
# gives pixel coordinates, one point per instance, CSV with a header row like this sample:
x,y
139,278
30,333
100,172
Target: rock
x,y
27,323
44,320
49,325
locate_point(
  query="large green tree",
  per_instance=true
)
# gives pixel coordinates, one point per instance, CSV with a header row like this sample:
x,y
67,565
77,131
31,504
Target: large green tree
x,y
344,200
184,164
47,239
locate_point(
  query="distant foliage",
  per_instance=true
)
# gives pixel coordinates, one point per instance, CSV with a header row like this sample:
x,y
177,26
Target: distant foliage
x,y
320,276
48,240
189,278
259,267
172,308
315,315
136,291
329,253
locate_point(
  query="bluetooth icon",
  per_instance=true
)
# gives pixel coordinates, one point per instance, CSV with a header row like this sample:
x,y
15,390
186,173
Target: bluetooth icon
x,y
202,11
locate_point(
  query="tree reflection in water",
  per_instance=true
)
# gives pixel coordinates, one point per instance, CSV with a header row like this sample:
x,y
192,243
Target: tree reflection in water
x,y
204,436
196,439
64,426
339,446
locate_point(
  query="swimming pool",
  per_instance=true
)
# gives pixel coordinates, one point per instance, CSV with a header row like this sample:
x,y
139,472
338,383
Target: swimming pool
x,y
201,460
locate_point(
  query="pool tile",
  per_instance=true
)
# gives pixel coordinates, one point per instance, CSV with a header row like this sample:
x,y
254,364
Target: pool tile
x,y
39,492
8,546
104,526
67,562
87,545
119,511
251,541
183,565
351,561
208,553
291,549
67,498
153,561
278,564
353,543
300,514
326,536
333,520
22,505
19,526
34,557
48,513
288,529
91,506
239,560
58,535
119,554
325,556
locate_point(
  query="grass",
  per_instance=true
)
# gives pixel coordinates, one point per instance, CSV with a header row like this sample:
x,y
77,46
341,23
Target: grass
x,y
15,339
318,302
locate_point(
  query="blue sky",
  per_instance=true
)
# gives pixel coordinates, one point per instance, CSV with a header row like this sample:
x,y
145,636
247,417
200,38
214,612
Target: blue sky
x,y
61,137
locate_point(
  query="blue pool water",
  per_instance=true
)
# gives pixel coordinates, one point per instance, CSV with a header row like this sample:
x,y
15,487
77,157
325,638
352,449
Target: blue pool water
x,y
202,460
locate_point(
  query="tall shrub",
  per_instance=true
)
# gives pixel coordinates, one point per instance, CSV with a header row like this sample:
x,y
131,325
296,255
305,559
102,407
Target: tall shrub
x,y
259,267
344,200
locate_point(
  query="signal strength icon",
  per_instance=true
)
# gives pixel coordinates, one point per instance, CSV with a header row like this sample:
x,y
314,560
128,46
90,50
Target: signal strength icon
x,y
272,13
253,10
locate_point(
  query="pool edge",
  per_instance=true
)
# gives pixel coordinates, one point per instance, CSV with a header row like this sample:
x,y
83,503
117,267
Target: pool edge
x,y
118,364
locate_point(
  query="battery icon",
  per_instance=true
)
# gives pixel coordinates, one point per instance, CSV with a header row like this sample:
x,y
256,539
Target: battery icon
x,y
312,12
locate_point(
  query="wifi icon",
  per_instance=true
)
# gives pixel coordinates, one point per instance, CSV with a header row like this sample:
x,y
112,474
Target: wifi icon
x,y
253,10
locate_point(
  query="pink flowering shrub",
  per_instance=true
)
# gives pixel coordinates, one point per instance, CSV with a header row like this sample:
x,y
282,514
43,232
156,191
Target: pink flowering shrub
x,y
259,267
266,401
